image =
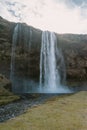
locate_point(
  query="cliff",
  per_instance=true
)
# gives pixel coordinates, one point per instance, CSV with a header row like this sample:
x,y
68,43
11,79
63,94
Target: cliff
x,y
73,47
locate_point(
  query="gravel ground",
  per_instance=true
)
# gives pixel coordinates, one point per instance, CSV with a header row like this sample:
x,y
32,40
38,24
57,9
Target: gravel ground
x,y
17,108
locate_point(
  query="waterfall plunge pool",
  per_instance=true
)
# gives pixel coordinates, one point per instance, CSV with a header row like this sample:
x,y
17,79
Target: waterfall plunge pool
x,y
21,85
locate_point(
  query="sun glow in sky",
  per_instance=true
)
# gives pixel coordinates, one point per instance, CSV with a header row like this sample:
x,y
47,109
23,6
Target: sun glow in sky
x,y
61,16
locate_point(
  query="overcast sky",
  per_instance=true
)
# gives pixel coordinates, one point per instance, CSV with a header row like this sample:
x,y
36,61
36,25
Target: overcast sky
x,y
61,16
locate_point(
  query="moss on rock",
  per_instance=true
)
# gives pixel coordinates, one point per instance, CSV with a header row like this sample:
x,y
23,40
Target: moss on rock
x,y
6,96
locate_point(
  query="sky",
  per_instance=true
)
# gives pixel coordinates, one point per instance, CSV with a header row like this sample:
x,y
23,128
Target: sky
x,y
61,16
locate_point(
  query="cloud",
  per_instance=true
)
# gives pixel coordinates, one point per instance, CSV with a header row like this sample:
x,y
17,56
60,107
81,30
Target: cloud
x,y
72,3
79,4
62,16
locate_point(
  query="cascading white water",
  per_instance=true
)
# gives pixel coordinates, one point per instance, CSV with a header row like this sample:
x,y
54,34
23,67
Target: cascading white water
x,y
49,69
49,76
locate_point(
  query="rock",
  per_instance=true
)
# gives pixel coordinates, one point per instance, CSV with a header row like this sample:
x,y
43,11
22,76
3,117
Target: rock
x,y
6,32
74,48
4,82
76,74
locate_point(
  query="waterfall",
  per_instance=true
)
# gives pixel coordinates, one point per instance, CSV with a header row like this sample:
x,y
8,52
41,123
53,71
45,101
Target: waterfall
x,y
49,76
14,43
50,71
52,67
21,44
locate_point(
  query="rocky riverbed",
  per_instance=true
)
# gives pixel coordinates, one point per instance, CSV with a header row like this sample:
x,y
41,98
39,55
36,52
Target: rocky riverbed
x,y
19,107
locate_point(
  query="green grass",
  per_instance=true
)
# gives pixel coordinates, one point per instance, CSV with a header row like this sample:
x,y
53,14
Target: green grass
x,y
6,96
59,113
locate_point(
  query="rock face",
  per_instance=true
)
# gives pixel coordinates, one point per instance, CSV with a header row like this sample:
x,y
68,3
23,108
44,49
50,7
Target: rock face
x,y
27,58
5,83
74,48
6,32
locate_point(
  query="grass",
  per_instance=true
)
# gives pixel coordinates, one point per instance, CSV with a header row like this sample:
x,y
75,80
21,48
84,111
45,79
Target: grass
x,y
6,96
59,113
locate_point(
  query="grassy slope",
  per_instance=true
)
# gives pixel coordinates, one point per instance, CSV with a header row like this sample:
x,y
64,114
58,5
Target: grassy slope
x,y
6,96
60,113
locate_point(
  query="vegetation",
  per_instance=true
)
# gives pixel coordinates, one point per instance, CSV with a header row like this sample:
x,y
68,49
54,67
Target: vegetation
x,y
59,113
6,96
